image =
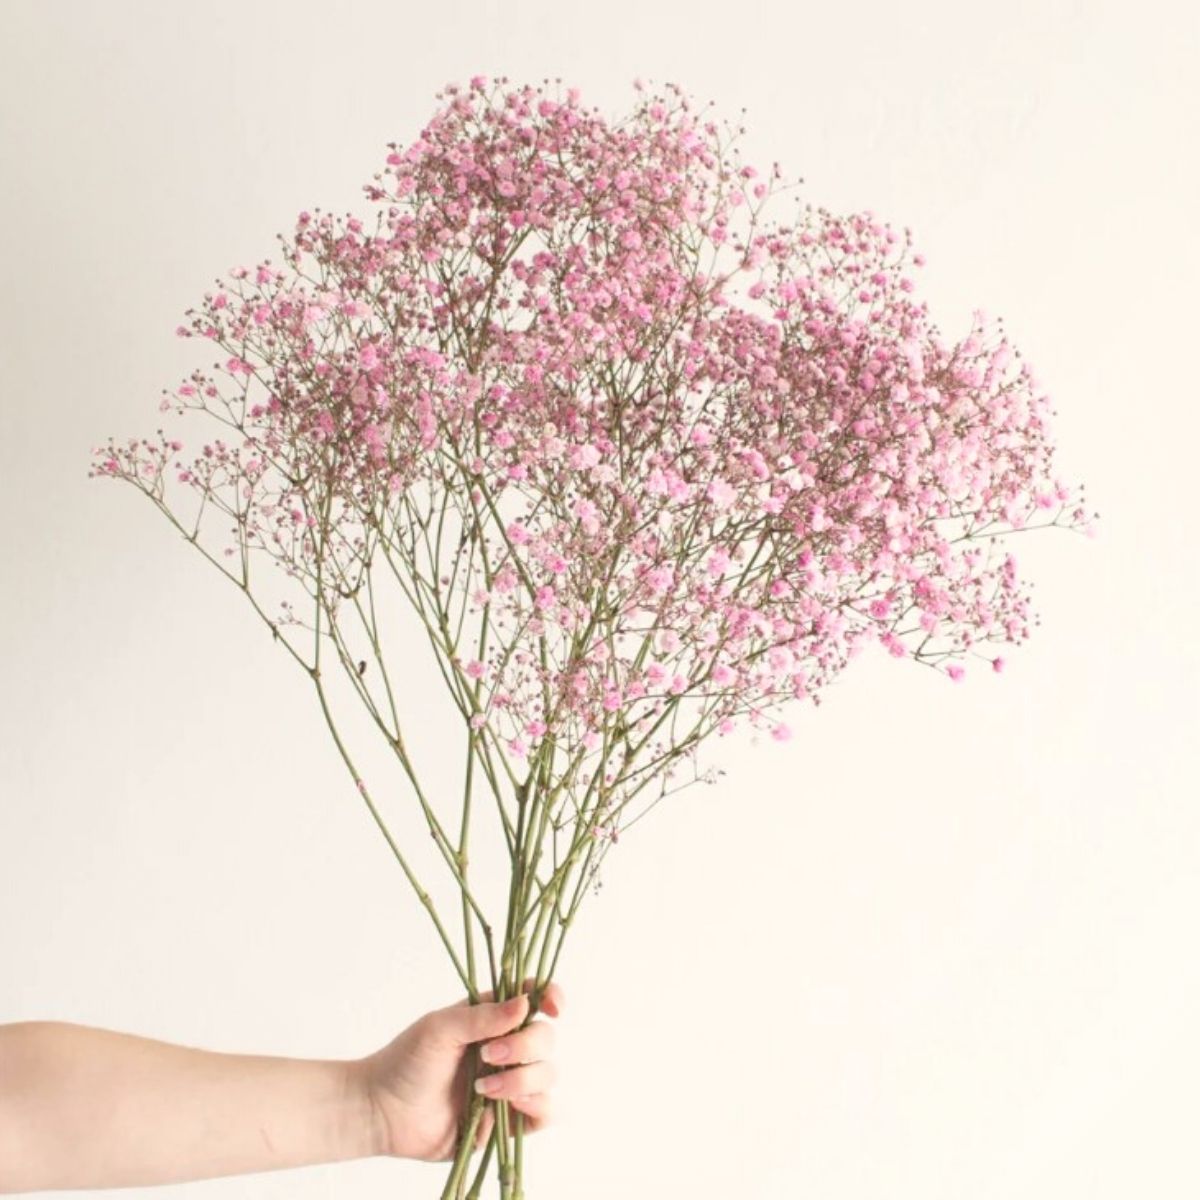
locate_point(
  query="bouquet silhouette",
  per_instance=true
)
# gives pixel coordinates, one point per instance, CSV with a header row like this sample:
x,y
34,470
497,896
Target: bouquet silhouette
x,y
642,463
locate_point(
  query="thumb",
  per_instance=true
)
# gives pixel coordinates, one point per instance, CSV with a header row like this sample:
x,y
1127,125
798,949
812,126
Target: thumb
x,y
467,1023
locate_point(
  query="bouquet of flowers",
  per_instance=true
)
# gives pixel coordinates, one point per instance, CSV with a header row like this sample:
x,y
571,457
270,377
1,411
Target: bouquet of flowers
x,y
643,463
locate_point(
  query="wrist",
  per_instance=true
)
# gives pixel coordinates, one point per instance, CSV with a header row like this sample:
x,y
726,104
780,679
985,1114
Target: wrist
x,y
366,1129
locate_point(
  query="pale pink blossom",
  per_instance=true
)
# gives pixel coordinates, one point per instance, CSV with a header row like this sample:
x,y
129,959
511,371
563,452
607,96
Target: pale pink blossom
x,y
717,561
721,493
588,515
584,457
660,578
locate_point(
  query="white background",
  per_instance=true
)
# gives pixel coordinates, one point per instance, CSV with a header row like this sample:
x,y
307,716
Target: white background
x,y
940,945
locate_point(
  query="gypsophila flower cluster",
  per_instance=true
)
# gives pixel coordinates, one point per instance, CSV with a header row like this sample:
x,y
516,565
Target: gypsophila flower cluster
x,y
696,458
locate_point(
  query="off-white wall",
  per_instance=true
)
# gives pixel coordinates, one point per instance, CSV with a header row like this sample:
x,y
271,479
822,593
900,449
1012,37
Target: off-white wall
x,y
943,943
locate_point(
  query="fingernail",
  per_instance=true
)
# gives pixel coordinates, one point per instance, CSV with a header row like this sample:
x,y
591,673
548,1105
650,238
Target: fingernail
x,y
494,1052
487,1084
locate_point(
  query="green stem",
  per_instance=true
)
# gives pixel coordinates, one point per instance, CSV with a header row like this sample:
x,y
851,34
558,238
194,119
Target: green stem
x,y
466,1147
503,1162
463,859
422,894
473,1194
518,1157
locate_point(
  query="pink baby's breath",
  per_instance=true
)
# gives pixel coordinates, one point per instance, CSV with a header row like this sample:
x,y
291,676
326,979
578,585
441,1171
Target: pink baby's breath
x,y
643,460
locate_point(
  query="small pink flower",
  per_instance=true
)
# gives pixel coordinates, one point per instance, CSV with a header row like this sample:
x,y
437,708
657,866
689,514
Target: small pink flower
x,y
955,672
779,658
586,512
612,701
584,457
659,579
998,665
475,669
781,732
718,560
517,534
678,488
721,493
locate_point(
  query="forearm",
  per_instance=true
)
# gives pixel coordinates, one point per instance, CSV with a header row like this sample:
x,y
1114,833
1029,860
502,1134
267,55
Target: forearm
x,y
92,1108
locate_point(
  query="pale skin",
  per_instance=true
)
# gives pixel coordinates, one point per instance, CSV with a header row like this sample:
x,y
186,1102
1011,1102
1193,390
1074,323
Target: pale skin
x,y
82,1107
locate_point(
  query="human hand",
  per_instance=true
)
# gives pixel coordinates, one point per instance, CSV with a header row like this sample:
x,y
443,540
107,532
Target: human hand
x,y
417,1083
